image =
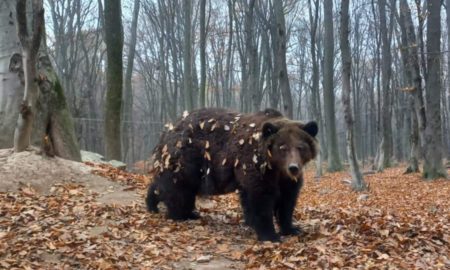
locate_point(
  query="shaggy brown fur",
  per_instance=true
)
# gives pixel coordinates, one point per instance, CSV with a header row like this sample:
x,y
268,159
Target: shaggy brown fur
x,y
216,151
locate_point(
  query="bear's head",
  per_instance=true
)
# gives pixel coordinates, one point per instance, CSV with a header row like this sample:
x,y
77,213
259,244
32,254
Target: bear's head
x,y
289,145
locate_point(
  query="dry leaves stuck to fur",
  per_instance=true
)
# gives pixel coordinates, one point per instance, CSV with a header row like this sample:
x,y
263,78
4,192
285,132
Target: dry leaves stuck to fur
x,y
402,223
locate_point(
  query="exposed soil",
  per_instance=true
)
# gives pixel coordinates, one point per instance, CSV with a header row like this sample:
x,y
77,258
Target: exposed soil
x,y
40,172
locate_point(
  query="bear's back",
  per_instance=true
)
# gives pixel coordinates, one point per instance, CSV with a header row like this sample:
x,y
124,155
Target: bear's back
x,y
211,140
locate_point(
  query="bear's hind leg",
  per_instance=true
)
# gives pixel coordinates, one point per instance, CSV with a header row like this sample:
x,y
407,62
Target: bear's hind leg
x,y
181,205
244,203
152,199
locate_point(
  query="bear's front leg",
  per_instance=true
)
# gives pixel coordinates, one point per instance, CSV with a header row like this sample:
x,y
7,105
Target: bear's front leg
x,y
285,206
260,214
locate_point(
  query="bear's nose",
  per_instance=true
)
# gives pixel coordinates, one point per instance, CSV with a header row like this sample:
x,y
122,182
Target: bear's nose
x,y
293,168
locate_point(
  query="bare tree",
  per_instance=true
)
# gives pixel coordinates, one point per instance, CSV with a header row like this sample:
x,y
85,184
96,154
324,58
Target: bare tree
x,y
334,163
229,62
77,50
414,80
127,126
446,98
384,159
30,48
357,179
280,58
187,55
202,53
114,78
433,167
51,119
315,96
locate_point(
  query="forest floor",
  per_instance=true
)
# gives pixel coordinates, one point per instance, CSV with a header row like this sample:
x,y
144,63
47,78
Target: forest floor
x,y
75,219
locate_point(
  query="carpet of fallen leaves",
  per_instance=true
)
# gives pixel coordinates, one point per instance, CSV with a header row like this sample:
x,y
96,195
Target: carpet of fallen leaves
x,y
402,222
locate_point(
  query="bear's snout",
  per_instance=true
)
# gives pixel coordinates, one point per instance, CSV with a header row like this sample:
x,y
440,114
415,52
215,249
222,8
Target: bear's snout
x,y
293,169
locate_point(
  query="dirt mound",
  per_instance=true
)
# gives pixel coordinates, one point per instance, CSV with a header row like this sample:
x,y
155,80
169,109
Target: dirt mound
x,y
40,173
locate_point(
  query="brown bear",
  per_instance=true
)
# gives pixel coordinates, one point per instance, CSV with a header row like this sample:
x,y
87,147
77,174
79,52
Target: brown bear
x,y
217,151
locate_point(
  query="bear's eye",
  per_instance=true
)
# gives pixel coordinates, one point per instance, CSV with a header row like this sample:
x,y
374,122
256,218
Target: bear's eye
x,y
302,148
283,147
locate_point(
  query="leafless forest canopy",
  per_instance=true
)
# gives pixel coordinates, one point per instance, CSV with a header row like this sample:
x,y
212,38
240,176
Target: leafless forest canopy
x,y
249,55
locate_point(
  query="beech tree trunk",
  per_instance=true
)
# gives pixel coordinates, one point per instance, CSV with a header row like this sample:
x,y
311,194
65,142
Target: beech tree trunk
x,y
30,40
252,96
202,53
52,119
127,124
386,146
414,85
314,100
334,162
229,62
357,179
114,78
280,59
433,167
187,55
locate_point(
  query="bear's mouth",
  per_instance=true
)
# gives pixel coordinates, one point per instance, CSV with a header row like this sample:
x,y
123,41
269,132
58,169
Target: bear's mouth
x,y
294,171
294,177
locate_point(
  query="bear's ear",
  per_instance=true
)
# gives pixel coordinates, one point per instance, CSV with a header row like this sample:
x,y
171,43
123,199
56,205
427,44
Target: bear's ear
x,y
311,128
269,129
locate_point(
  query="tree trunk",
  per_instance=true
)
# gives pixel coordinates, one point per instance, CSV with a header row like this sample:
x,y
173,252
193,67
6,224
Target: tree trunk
x,y
413,64
433,167
30,47
413,162
202,53
386,148
357,179
313,18
252,96
127,124
447,96
413,83
114,78
52,118
228,72
187,55
280,59
334,163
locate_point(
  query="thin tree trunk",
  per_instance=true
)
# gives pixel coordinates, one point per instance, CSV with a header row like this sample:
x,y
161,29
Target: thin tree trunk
x,y
114,78
447,96
413,83
127,124
202,53
434,167
386,147
313,18
334,163
228,72
252,94
357,179
280,59
187,55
